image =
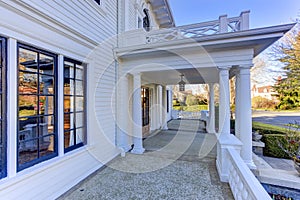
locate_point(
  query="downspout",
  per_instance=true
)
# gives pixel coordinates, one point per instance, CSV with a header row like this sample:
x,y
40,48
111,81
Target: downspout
x,y
116,76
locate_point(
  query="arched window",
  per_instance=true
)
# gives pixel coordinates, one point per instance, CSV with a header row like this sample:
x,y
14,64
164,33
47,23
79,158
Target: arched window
x,y
146,20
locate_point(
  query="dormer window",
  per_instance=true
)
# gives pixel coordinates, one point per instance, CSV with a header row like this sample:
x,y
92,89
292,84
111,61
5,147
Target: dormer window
x,y
146,20
98,2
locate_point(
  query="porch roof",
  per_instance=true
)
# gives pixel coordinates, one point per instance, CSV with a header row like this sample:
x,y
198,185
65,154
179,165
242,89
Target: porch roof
x,y
198,58
257,39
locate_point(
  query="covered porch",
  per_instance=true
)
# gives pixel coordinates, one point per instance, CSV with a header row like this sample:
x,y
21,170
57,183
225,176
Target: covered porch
x,y
177,164
205,53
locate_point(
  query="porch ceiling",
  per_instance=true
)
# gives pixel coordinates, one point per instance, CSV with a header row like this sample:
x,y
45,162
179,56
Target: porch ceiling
x,y
163,13
172,77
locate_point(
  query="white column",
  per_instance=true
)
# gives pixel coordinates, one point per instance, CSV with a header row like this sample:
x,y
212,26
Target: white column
x,y
123,115
210,128
238,104
159,105
12,87
224,106
60,104
245,121
137,115
225,139
164,109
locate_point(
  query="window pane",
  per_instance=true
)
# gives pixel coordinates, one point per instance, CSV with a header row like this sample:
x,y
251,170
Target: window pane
x,y
79,136
79,103
79,119
46,84
27,151
69,87
27,105
69,121
47,124
79,88
79,72
46,64
28,83
28,60
68,104
28,124
0,78
68,70
46,145
69,139
46,105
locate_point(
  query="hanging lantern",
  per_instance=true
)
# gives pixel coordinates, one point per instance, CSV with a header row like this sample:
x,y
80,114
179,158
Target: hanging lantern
x,y
181,84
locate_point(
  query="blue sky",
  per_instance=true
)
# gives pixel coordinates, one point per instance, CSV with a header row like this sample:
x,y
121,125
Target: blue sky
x,y
263,12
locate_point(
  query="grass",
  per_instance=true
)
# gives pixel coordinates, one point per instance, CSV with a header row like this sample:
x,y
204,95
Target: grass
x,y
194,108
268,128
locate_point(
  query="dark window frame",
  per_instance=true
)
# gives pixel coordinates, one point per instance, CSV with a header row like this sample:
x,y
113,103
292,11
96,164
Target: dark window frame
x,y
145,106
74,112
168,100
40,159
3,119
98,2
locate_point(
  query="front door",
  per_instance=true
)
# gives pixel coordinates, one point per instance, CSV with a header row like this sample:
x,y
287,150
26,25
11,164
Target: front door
x,y
145,111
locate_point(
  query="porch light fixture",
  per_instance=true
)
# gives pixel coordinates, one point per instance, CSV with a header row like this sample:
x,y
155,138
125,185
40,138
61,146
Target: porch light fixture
x,y
181,84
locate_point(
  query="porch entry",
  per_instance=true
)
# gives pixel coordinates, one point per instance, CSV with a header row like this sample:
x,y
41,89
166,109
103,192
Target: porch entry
x,y
145,110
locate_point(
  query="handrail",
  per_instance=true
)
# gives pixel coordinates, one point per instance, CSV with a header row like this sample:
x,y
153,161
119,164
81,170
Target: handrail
x,y
222,25
243,183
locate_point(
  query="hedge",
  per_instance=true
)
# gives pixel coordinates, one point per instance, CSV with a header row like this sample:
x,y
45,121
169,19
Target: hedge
x,y
272,148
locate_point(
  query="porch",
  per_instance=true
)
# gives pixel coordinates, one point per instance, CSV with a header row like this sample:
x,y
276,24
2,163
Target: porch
x,y
178,163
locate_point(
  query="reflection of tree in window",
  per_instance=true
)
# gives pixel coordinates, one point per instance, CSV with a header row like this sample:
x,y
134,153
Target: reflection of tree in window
x,y
74,104
36,105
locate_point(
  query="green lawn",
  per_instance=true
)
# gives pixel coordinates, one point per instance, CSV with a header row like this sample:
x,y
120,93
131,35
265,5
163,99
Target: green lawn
x,y
194,108
268,128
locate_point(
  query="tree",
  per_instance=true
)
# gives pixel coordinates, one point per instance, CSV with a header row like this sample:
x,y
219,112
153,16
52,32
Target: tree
x,y
191,100
288,88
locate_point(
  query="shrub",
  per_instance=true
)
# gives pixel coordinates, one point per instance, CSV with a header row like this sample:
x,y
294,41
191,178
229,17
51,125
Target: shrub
x,y
191,100
272,145
262,103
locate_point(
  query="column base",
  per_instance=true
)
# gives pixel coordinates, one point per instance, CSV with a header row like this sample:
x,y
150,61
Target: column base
x,y
250,164
137,150
165,127
125,148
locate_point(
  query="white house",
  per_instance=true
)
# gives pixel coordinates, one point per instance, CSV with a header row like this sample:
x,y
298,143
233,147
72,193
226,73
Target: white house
x,y
76,76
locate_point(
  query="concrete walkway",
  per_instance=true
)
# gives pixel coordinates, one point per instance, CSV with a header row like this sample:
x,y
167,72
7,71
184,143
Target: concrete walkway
x,y
178,164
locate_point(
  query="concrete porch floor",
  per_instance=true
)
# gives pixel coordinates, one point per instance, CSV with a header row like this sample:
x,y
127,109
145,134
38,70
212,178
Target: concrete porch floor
x,y
179,163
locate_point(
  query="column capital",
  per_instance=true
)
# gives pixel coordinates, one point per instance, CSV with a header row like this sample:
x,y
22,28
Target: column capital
x,y
245,66
245,70
135,74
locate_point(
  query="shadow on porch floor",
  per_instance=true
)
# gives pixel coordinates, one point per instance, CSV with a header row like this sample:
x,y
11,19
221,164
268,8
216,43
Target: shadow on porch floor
x,y
178,164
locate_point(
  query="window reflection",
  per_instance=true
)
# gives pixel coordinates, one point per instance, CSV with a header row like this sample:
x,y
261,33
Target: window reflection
x,y
36,106
74,104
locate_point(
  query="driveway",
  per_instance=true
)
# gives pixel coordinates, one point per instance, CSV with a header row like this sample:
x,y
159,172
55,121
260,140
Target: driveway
x,y
276,118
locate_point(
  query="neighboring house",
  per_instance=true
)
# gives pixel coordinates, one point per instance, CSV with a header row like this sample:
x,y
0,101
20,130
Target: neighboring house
x,y
76,76
264,91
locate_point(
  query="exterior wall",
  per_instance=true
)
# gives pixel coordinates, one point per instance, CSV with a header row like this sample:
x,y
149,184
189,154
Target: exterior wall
x,y
80,35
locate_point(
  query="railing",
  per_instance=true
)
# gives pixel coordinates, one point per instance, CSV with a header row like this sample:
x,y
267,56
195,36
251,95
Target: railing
x,y
223,25
243,183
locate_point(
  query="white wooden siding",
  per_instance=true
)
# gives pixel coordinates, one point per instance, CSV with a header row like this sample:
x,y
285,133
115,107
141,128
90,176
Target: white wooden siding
x,y
83,34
